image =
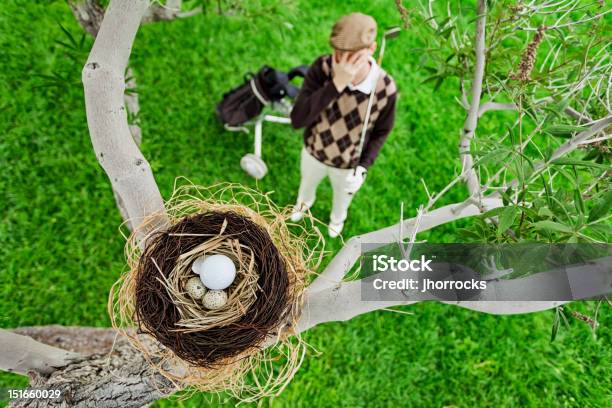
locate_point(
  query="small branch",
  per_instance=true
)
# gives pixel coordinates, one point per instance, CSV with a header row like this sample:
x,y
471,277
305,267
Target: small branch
x,y
495,106
89,14
23,355
190,13
577,115
168,12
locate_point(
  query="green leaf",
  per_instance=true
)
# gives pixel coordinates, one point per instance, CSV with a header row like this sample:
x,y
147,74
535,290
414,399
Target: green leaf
x,y
552,226
545,212
69,35
507,218
430,78
574,162
602,207
493,213
578,202
562,130
555,326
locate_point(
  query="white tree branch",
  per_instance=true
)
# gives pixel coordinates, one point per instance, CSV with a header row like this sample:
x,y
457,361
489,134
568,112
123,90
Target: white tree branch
x,y
169,11
495,106
78,339
104,83
349,254
23,355
346,302
577,115
471,122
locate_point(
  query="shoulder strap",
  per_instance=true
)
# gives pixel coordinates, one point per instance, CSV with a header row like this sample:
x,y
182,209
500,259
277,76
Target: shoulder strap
x,y
297,71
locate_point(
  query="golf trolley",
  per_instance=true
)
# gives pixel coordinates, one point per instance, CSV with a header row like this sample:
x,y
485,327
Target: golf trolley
x,y
263,97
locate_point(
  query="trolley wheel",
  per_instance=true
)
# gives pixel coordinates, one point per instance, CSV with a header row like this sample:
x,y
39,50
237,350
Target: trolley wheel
x,y
254,166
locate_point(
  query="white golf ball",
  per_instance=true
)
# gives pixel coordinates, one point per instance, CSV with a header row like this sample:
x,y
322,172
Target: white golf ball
x,y
217,272
214,299
195,288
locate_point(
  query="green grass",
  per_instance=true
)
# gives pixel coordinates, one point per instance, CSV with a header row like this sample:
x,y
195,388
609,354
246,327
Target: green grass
x,y
61,249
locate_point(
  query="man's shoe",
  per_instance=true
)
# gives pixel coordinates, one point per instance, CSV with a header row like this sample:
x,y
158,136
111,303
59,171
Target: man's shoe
x,y
335,229
298,212
297,216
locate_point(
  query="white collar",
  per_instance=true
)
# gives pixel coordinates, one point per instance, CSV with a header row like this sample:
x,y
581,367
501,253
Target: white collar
x,y
369,81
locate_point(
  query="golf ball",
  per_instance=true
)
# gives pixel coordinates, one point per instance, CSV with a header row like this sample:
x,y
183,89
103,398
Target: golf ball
x,y
217,272
214,299
195,288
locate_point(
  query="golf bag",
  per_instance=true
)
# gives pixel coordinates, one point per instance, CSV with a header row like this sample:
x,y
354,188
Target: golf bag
x,y
247,101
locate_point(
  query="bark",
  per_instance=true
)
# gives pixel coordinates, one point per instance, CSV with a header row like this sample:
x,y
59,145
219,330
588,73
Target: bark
x,y
121,378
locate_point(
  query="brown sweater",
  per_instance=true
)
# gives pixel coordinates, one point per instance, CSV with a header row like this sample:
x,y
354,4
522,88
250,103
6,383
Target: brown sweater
x,y
334,120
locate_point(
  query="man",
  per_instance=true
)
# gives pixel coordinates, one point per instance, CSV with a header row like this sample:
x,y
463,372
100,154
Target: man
x,y
332,106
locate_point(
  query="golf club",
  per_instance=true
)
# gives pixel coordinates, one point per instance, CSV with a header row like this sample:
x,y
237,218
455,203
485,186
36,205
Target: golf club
x,y
389,33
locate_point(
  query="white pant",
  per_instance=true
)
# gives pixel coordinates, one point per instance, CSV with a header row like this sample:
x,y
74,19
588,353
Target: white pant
x,y
313,172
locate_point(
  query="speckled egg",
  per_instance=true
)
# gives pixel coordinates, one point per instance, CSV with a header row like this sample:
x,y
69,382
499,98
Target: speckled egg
x,y
195,288
214,299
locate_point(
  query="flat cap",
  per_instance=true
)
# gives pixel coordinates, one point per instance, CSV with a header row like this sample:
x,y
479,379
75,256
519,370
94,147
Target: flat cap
x,y
353,32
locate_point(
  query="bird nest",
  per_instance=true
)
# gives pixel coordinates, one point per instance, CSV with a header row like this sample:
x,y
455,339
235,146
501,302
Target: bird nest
x,y
248,346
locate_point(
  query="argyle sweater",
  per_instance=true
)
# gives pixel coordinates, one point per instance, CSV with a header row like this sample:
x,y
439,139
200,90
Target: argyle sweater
x,y
334,120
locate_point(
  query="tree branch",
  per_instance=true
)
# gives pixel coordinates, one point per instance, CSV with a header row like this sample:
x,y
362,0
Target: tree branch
x,y
104,83
348,255
495,106
170,11
118,378
23,355
346,302
82,340
471,122
89,14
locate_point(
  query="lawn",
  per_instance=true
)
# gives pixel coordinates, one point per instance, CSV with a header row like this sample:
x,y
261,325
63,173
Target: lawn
x,y
60,244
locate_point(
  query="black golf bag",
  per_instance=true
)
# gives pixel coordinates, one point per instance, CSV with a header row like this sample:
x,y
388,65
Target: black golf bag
x,y
247,101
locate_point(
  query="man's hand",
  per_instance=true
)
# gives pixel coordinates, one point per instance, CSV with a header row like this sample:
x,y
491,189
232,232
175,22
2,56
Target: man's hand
x,y
345,69
355,179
